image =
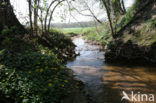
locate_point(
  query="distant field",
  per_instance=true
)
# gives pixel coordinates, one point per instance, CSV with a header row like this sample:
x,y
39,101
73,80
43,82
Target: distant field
x,y
90,33
75,30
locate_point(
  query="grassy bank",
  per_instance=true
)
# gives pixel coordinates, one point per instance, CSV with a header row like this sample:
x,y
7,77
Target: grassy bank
x,y
135,40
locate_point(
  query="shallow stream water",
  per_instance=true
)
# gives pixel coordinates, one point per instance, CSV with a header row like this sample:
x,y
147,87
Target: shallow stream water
x,y
106,83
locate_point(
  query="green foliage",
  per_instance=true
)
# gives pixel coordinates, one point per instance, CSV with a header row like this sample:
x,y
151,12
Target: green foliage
x,y
59,43
128,16
14,44
1,52
11,30
34,77
31,71
93,35
113,1
110,45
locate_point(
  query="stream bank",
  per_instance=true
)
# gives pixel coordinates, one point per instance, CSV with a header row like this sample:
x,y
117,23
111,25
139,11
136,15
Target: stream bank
x,y
136,41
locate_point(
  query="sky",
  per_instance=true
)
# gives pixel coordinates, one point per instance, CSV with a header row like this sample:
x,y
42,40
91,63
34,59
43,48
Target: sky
x,y
21,11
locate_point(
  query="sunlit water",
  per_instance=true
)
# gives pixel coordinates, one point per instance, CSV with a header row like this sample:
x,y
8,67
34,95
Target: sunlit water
x,y
105,83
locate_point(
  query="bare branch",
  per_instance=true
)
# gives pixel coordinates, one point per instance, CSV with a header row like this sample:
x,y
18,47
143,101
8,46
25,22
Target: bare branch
x,y
47,12
53,12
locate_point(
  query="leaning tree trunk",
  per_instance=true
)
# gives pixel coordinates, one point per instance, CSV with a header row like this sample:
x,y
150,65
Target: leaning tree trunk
x,y
8,18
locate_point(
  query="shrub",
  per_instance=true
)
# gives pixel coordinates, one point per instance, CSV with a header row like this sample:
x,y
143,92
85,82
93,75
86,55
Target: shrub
x,y
59,43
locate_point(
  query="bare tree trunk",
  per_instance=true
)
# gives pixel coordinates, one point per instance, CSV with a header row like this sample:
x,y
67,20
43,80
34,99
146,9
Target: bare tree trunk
x,y
8,18
35,16
30,15
41,20
109,18
47,13
52,14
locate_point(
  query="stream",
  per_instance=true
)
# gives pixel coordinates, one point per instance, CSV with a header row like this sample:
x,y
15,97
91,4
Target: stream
x,y
105,83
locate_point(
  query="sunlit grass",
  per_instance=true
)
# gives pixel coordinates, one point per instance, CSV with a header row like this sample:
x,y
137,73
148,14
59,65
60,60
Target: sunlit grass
x,y
99,33
75,30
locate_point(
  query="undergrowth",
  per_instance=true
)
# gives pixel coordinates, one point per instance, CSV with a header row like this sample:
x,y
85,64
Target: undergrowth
x,y
31,71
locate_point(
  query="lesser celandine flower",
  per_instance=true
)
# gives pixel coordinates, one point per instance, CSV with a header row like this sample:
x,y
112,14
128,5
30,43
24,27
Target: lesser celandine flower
x,y
49,84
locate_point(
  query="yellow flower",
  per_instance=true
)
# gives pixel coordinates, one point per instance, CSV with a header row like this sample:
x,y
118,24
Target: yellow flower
x,y
62,85
28,91
21,96
65,81
41,70
49,84
2,66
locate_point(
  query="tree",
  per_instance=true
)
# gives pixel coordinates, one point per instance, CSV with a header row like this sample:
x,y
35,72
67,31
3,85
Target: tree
x,y
8,18
47,13
30,15
36,2
108,11
118,7
45,16
114,9
51,14
85,7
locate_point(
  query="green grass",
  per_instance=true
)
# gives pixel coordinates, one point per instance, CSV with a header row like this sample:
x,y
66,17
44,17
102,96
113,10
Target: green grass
x,y
99,33
75,30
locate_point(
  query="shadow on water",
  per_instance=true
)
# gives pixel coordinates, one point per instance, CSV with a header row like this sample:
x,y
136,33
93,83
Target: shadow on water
x,y
127,79
106,83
